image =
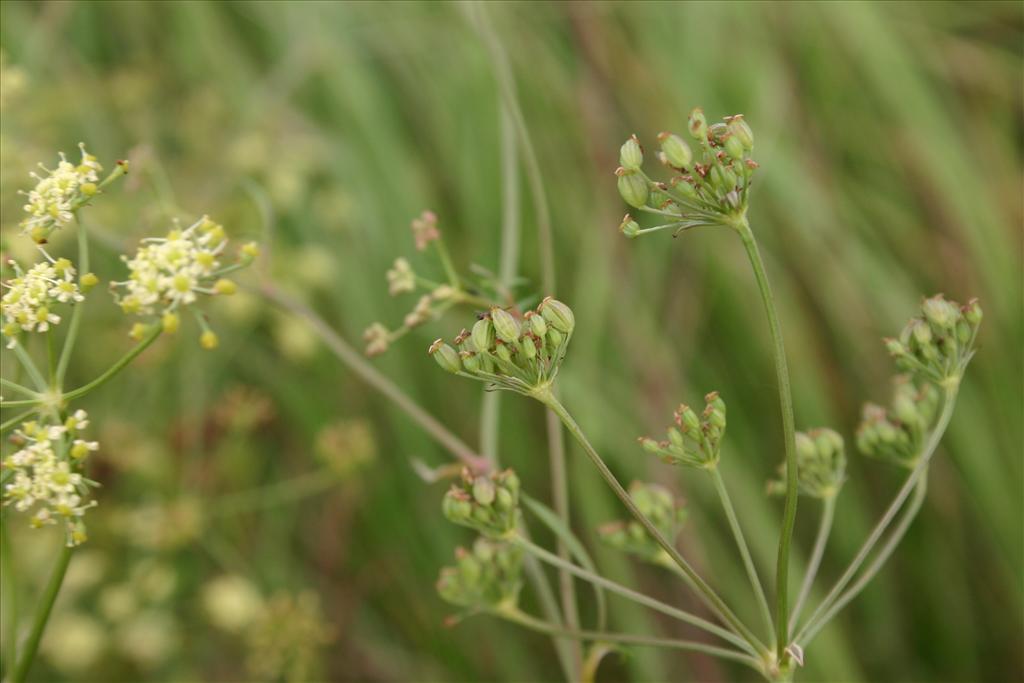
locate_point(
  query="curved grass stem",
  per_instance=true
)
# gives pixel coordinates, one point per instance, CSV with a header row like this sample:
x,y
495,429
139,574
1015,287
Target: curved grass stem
x,y
117,367
76,314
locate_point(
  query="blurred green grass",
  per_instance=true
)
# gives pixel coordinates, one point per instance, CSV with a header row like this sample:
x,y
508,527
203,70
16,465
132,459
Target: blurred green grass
x,y
889,138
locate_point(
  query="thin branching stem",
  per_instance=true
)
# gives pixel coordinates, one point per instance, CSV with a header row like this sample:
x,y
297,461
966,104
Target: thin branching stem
x,y
707,594
630,594
14,386
828,508
76,315
151,336
517,616
741,544
886,551
919,471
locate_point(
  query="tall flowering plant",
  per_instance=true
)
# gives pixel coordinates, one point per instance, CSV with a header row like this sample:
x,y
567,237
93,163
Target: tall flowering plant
x,y
44,474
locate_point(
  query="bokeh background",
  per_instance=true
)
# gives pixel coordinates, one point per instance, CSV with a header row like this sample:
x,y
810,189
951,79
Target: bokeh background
x,y
267,474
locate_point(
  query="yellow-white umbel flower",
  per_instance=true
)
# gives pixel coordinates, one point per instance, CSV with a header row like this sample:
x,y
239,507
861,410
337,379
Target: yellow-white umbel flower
x,y
51,203
30,297
44,476
169,273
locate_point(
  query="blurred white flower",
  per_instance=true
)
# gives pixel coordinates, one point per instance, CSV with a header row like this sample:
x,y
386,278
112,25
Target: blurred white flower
x,y
58,193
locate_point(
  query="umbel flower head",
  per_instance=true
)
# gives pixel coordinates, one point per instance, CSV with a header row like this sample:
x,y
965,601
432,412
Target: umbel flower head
x,y
169,273
899,433
31,297
709,186
518,353
938,344
44,476
694,441
488,576
52,202
820,464
657,504
488,503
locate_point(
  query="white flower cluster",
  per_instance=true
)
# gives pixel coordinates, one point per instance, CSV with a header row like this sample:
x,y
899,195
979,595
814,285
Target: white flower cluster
x,y
57,194
169,272
45,474
27,304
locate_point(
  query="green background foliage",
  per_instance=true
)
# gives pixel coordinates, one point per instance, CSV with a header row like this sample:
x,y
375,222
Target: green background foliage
x,y
889,138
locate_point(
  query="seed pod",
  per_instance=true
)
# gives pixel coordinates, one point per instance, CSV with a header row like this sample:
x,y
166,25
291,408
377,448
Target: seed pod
x,y
445,355
805,448
483,490
538,325
505,325
483,335
741,131
470,361
688,420
502,352
734,148
973,313
555,338
631,155
676,151
557,314
528,347
698,125
940,312
633,188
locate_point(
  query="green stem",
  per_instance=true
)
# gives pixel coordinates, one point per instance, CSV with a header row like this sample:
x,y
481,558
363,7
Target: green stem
x,y
633,595
824,529
30,368
883,555
8,589
76,315
118,366
42,615
788,432
919,471
14,386
706,593
517,616
741,543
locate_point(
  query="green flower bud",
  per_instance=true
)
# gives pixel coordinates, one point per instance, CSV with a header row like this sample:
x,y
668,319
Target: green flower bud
x,y
805,448
555,338
445,355
687,420
505,325
629,227
483,335
677,152
740,129
633,188
502,352
675,438
631,155
698,125
894,347
558,315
